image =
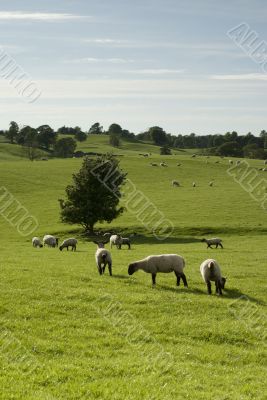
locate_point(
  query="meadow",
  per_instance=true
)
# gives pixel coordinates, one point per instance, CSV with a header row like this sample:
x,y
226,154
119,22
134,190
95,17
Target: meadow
x,y
68,333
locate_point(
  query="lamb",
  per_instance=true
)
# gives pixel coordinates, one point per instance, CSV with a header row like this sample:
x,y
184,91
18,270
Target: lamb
x,y
194,184
163,164
211,183
69,243
213,241
160,263
103,258
122,241
114,240
50,241
153,164
210,271
36,242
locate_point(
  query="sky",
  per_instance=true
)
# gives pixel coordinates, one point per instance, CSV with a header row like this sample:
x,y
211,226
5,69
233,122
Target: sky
x,y
141,63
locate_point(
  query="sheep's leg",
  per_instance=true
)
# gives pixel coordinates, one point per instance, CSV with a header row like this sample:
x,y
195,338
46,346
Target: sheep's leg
x,y
110,269
154,278
129,246
216,245
209,287
99,269
178,278
221,245
103,269
218,288
184,280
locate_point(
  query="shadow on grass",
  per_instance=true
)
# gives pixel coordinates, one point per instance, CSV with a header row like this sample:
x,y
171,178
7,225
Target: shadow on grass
x,y
119,276
236,294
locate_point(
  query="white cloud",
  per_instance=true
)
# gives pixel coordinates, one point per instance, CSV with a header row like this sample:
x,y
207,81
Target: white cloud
x,y
156,71
107,41
34,16
92,60
243,77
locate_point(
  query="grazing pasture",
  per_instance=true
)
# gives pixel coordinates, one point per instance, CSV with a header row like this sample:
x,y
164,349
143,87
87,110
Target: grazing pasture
x,y
69,333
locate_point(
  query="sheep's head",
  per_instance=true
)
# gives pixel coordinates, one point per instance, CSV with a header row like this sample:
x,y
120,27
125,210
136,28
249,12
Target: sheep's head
x,y
100,245
41,245
223,281
60,248
132,268
203,240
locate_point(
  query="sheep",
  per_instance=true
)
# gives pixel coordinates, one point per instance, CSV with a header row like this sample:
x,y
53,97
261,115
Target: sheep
x,y
230,162
211,183
160,263
194,184
213,241
179,165
122,241
50,241
153,164
237,162
265,162
175,183
114,240
103,258
193,155
69,243
163,164
210,271
36,242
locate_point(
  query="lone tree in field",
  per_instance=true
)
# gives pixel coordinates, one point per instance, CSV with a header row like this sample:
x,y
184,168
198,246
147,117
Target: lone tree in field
x,y
95,193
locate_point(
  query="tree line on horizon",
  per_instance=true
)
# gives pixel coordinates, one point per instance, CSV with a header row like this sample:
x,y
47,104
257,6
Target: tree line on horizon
x,y
45,138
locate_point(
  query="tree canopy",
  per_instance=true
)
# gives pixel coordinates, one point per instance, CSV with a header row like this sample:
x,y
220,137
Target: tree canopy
x,y
95,193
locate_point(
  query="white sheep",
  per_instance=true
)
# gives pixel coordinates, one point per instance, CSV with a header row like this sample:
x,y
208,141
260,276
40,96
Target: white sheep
x,y
194,184
214,241
153,164
114,240
179,165
230,162
103,258
71,242
161,263
163,164
50,241
211,183
210,271
36,242
175,183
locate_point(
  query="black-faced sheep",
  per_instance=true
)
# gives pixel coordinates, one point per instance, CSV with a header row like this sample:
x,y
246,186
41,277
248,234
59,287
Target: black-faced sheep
x,y
124,240
36,242
161,263
69,243
210,271
103,258
213,241
50,241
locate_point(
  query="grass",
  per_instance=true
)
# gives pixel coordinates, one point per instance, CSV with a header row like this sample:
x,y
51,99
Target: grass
x,y
67,333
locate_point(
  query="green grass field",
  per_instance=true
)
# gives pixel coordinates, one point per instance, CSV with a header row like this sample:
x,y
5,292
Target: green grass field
x,y
68,333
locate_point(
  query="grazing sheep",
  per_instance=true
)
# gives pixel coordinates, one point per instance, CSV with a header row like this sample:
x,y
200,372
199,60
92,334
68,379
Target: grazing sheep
x,y
153,164
114,240
179,165
237,162
122,241
50,241
211,183
161,263
103,258
163,164
210,271
193,155
36,242
194,184
69,243
175,183
213,241
230,161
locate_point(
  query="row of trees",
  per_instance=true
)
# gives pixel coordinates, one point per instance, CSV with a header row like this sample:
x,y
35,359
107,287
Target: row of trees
x,y
228,144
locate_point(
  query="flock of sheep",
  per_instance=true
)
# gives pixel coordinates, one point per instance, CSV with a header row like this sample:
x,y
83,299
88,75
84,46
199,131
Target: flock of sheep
x,y
209,269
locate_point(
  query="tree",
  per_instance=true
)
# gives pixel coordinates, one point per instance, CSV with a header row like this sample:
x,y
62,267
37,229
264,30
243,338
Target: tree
x,y
115,129
95,193
80,136
12,132
46,136
96,129
158,135
165,150
231,149
30,142
253,151
114,140
65,147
